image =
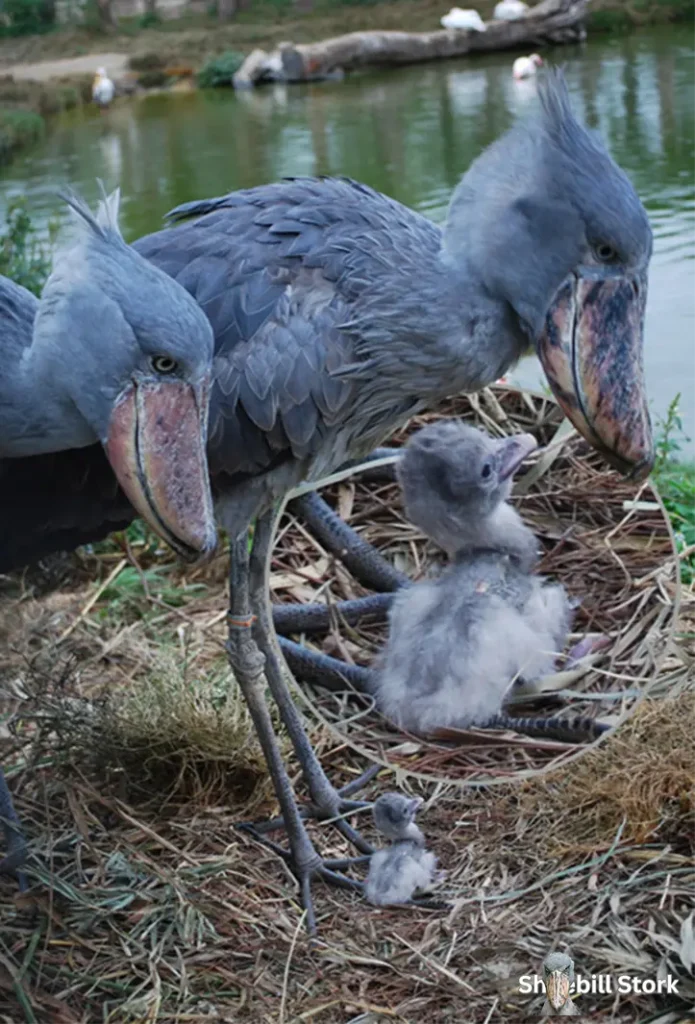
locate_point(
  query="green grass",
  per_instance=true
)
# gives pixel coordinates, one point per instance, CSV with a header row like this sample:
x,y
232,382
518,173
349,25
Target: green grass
x,y
18,128
220,70
675,479
23,257
133,591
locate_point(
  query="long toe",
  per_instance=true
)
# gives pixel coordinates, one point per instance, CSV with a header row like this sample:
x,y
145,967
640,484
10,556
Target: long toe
x,y
319,618
357,555
330,870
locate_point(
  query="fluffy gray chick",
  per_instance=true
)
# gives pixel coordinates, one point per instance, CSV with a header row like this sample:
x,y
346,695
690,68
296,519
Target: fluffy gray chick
x,y
397,872
456,644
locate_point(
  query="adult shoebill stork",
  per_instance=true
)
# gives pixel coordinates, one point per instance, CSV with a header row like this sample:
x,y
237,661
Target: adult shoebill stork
x,y
338,313
116,353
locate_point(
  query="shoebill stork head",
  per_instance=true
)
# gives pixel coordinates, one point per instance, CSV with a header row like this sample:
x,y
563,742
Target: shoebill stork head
x,y
453,472
566,243
394,816
128,354
558,975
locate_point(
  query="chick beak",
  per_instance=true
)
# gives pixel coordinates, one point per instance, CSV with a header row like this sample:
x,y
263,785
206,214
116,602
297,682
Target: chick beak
x,y
512,452
557,989
592,353
156,446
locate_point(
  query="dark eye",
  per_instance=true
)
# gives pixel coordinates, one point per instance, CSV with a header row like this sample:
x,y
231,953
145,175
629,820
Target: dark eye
x,y
605,253
164,364
486,470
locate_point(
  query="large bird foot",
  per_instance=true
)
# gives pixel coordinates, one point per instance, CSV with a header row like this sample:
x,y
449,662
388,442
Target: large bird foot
x,y
247,661
333,807
17,850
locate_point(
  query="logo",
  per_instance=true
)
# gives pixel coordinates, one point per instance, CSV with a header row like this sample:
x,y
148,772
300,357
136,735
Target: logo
x,y
558,972
562,987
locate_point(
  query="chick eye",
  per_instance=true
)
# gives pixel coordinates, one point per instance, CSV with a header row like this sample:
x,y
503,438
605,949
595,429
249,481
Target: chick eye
x,y
164,364
605,253
486,470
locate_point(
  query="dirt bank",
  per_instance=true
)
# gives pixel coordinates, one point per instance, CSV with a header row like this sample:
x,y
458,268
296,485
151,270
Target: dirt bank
x,y
43,71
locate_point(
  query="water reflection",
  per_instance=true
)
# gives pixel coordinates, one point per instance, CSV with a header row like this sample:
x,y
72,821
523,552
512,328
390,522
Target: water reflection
x,y
410,133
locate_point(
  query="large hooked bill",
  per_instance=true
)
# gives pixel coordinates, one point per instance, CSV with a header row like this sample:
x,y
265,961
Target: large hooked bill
x,y
592,352
156,446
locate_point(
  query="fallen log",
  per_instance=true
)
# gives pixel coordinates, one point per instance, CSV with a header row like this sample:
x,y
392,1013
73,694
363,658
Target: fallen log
x,y
552,21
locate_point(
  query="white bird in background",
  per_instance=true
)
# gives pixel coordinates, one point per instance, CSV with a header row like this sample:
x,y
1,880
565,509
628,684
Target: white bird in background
x,y
510,10
103,89
526,67
460,19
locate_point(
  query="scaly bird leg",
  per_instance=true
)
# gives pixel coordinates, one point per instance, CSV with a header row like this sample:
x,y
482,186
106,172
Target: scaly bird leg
x,y
248,665
333,674
328,801
322,670
16,855
363,561
318,618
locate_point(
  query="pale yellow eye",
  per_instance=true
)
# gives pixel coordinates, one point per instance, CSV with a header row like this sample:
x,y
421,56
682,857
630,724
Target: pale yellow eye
x,y
605,253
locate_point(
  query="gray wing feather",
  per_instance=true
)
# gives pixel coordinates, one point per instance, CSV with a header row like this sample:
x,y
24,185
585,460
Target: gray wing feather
x,y
277,270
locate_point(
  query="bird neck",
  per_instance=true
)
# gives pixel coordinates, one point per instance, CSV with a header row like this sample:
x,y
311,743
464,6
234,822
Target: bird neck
x,y
36,415
428,333
412,834
503,532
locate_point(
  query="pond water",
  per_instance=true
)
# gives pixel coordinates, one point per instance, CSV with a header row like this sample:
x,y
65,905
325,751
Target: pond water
x,y
410,133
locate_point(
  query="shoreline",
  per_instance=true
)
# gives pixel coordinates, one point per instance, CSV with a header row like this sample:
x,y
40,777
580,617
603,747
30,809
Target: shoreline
x,y
43,75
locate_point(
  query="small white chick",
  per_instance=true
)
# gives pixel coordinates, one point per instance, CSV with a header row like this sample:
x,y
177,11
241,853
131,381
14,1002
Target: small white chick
x,y
397,872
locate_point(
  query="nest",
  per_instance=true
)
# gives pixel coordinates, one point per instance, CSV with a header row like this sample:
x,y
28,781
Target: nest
x,y
608,542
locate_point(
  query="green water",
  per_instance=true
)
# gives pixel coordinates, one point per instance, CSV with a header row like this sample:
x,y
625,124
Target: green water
x,y
410,133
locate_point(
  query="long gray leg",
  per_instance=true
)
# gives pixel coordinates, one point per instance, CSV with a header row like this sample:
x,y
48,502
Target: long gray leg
x,y
322,670
328,801
333,674
16,855
247,664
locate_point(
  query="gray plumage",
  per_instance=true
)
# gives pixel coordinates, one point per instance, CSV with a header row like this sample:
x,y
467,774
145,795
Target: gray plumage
x,y
457,643
339,313
104,314
396,873
82,368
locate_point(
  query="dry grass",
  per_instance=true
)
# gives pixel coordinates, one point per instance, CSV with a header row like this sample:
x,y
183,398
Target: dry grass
x,y
618,560
132,759
642,781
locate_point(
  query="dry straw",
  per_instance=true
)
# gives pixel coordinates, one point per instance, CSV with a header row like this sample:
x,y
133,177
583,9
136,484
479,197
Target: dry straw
x,y
614,553
132,758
